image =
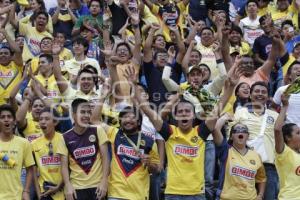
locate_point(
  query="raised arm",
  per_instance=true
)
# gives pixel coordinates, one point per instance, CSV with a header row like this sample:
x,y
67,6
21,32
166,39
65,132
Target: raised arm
x,y
169,83
148,43
14,47
143,103
148,3
270,62
135,20
225,48
186,58
180,44
279,141
61,82
217,133
24,108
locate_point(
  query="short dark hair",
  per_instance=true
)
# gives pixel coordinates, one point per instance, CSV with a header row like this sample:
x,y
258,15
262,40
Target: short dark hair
x,y
289,71
126,45
47,56
90,69
135,111
260,83
206,28
9,108
195,50
287,22
58,32
252,1
5,46
76,103
157,36
53,111
41,12
45,38
182,100
287,130
90,3
158,51
262,19
83,42
236,29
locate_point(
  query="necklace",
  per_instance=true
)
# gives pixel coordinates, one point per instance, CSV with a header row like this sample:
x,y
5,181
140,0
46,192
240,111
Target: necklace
x,y
136,146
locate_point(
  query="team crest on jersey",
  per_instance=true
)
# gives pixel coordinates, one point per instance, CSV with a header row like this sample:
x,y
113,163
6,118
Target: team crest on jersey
x,y
84,152
270,120
194,139
50,160
242,172
143,142
184,150
252,162
92,138
298,171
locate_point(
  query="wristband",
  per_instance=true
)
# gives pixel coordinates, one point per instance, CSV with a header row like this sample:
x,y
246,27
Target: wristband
x,y
219,61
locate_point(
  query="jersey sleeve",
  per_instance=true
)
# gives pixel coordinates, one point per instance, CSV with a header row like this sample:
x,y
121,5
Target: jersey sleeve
x,y
102,137
154,157
62,148
111,133
286,156
23,27
155,9
277,96
28,157
165,131
261,174
181,6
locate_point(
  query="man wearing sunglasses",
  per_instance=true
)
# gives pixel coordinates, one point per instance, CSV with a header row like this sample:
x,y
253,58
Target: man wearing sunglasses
x,y
47,172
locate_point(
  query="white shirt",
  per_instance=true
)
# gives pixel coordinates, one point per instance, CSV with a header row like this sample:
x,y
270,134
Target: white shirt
x,y
251,29
293,110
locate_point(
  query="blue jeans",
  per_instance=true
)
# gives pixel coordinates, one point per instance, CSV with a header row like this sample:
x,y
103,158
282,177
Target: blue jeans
x,y
272,185
154,186
184,197
210,161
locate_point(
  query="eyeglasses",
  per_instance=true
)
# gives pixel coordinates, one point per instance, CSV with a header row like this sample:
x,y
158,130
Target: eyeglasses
x,y
50,152
239,130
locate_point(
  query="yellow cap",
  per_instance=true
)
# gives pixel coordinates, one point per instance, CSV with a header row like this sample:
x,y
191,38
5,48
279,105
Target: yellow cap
x,y
23,2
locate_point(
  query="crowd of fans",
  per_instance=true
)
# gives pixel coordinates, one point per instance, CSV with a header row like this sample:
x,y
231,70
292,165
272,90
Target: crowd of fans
x,y
149,99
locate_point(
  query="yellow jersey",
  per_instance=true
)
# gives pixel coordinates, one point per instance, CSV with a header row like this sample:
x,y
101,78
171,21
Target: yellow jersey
x,y
48,162
10,76
129,179
185,153
19,150
169,15
32,40
84,157
32,130
64,55
51,86
239,173
288,168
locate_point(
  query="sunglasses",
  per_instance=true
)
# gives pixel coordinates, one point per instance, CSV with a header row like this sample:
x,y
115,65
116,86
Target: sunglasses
x,y
50,152
239,130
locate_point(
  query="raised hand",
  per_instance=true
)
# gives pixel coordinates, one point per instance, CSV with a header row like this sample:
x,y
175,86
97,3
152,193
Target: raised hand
x,y
130,74
285,100
171,52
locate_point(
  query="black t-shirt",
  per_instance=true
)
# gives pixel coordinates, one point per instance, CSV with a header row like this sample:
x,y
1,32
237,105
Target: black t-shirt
x,y
156,89
119,17
64,23
262,46
198,9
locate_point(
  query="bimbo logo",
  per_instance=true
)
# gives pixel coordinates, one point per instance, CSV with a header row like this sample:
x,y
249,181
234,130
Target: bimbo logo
x,y
186,150
128,151
50,160
84,152
242,172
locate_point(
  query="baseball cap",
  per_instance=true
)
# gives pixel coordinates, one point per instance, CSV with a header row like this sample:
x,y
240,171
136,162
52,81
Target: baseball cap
x,y
296,44
23,2
196,67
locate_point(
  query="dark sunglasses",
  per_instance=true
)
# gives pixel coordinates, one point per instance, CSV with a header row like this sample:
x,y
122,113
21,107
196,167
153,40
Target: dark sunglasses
x,y
239,130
